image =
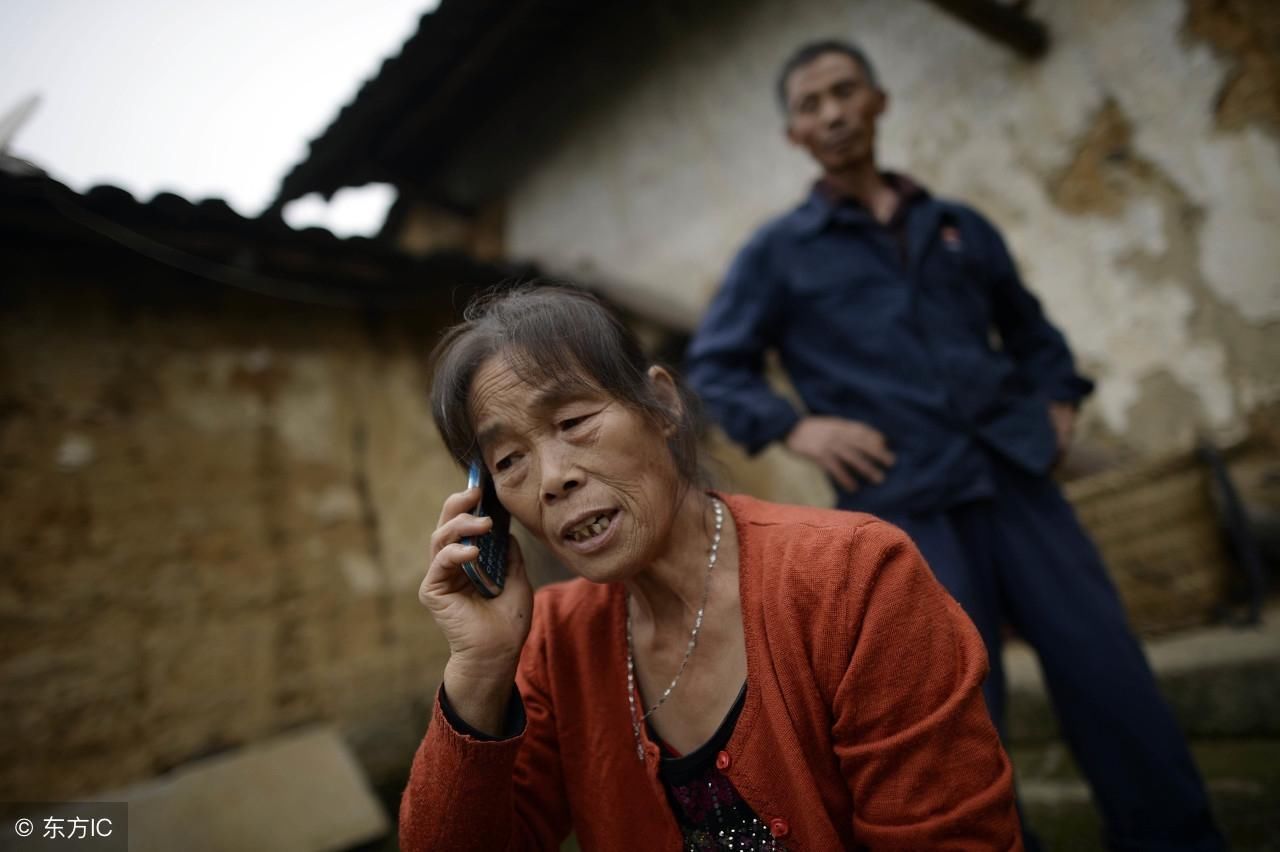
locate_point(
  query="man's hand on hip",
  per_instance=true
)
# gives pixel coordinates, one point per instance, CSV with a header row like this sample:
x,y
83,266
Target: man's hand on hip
x,y
846,449
1063,417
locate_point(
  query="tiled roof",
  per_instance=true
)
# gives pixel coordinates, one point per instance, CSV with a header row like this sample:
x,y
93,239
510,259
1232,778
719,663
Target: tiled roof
x,y
209,239
408,117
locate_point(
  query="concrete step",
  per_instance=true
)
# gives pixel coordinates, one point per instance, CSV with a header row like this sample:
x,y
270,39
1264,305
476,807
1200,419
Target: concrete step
x,y
1243,778
302,791
1222,682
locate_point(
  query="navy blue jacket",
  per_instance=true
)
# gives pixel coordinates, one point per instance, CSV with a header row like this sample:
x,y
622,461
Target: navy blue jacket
x,y
931,339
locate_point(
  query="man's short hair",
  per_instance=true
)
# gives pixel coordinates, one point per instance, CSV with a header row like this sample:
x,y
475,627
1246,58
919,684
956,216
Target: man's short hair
x,y
810,51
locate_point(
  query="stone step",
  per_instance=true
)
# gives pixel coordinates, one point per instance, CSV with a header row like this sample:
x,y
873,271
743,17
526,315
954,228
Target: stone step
x,y
1220,681
302,791
1242,776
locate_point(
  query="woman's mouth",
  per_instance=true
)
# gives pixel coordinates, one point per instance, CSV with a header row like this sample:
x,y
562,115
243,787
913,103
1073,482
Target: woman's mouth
x,y
591,532
591,527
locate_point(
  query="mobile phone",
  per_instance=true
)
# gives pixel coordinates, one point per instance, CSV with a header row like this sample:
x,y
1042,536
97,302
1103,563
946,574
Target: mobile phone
x,y
488,571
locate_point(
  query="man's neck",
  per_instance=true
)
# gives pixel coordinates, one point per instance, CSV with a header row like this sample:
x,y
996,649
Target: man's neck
x,y
868,187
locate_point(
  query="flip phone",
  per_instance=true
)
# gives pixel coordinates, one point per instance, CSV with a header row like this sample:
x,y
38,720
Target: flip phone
x,y
488,572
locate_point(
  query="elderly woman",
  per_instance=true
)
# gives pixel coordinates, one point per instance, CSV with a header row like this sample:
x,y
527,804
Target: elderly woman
x,y
725,673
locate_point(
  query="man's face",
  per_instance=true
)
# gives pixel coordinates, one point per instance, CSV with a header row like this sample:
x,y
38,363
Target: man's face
x,y
832,110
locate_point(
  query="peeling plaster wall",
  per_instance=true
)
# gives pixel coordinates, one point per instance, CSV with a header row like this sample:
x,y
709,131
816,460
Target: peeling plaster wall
x,y
1135,172
213,514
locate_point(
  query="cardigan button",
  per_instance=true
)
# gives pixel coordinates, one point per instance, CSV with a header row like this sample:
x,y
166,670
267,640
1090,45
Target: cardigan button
x,y
778,827
723,761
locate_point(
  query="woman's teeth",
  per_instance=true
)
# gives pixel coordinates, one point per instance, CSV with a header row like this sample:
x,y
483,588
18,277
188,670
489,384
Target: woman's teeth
x,y
590,528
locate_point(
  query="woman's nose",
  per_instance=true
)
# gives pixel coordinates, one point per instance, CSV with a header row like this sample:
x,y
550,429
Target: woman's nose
x,y
559,476
553,492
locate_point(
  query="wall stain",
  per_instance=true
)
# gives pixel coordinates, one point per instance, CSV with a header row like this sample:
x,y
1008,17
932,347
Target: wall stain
x,y
1099,178
1106,173
1247,34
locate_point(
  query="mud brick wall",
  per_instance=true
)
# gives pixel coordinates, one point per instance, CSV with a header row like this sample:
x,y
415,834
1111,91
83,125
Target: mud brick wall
x,y
213,511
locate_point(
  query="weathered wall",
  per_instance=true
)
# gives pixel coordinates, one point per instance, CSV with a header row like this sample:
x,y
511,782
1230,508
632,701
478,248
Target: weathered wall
x,y
213,514
1135,171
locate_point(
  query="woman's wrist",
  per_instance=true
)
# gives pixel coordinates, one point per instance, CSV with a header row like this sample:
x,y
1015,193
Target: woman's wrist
x,y
479,694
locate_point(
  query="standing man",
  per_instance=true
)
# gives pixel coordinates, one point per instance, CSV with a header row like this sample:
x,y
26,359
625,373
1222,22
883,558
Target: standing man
x,y
938,396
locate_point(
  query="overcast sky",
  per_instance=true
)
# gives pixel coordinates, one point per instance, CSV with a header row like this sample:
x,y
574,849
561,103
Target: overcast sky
x,y
202,98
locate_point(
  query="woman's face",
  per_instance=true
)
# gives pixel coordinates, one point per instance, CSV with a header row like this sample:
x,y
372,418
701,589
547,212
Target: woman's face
x,y
590,477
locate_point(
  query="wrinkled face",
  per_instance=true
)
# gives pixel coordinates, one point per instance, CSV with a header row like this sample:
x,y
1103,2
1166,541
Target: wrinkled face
x,y
590,477
832,110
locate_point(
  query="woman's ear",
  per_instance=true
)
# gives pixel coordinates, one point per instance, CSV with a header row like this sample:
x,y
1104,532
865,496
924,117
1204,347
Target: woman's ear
x,y
664,390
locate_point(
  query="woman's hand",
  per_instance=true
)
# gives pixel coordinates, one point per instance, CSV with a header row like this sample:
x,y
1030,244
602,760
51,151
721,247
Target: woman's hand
x,y
485,635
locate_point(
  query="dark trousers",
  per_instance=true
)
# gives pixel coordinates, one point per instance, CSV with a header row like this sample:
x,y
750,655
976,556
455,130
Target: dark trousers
x,y
1022,558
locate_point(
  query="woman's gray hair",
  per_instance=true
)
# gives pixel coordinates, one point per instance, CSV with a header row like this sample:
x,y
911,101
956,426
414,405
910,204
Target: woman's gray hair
x,y
561,338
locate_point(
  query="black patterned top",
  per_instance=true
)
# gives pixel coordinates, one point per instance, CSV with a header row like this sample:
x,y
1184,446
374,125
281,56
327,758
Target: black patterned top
x,y
710,813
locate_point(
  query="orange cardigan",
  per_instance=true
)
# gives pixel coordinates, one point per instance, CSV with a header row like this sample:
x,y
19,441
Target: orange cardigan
x,y
864,724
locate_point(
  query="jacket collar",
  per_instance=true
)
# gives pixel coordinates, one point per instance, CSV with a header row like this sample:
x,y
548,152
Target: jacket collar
x,y
823,203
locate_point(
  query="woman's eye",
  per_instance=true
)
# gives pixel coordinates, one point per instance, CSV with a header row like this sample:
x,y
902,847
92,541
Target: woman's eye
x,y
504,463
570,422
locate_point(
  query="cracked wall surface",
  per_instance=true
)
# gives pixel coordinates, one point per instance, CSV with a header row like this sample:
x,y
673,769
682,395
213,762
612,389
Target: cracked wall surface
x,y
1135,172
